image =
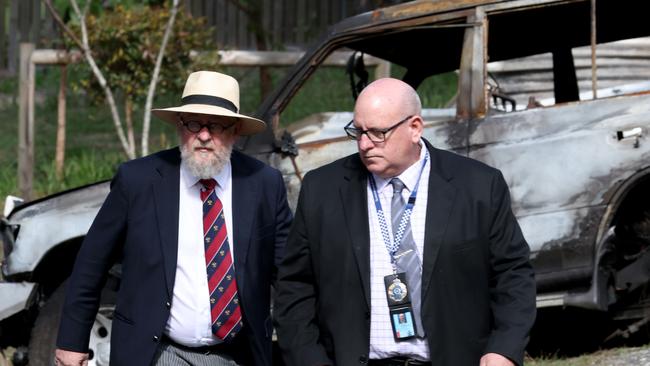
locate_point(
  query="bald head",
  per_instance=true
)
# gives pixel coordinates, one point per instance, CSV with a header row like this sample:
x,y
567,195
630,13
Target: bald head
x,y
389,95
392,108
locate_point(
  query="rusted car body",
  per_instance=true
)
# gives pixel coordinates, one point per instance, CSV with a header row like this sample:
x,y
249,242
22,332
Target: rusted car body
x,y
577,169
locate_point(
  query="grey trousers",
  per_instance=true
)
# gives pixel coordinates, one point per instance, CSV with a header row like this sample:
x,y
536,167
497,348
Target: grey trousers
x,y
171,355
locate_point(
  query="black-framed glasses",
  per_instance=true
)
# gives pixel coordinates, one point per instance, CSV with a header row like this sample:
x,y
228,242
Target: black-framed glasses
x,y
374,134
213,128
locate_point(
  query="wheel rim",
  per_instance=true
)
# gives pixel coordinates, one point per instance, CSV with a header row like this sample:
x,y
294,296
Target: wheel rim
x,y
100,337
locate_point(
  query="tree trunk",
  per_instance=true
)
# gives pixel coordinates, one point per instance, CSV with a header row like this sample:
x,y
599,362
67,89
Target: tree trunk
x,y
154,78
60,130
128,116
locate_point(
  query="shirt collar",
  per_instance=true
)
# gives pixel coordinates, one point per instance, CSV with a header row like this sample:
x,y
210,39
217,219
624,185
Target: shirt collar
x,y
409,177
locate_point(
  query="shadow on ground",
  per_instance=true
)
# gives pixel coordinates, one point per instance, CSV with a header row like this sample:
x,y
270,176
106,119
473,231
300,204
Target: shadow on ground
x,y
572,332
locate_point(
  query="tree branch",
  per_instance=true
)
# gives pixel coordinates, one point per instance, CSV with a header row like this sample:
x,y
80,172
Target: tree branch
x,y
59,21
85,47
154,78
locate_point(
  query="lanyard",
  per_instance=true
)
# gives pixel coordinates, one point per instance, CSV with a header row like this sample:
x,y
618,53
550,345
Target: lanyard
x,y
393,245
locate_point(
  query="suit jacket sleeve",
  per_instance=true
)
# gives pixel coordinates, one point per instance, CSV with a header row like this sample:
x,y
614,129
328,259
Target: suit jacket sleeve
x,y
295,317
512,284
283,221
96,255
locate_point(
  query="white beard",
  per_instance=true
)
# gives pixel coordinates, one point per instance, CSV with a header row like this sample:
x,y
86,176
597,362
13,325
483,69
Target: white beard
x,y
201,168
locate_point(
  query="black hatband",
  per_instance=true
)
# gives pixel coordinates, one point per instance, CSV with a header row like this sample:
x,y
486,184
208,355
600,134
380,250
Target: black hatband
x,y
210,100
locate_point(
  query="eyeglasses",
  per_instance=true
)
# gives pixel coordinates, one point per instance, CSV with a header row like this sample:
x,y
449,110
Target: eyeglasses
x,y
213,128
374,134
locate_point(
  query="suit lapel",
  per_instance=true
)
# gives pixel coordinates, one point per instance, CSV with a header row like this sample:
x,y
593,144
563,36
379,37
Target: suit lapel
x,y
440,202
166,197
244,196
355,209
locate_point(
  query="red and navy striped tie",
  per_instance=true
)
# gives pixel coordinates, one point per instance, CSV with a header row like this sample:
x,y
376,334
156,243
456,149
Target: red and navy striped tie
x,y
224,301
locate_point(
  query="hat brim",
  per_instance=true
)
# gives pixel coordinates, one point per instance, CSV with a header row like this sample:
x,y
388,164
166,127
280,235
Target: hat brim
x,y
248,125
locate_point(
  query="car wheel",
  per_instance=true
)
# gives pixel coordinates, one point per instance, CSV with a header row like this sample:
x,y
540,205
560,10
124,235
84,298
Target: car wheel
x,y
43,339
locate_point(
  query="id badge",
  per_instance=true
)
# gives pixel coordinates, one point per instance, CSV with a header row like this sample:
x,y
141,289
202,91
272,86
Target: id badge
x,y
399,307
403,323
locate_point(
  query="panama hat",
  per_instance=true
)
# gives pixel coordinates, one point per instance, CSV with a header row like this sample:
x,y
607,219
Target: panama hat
x,y
212,93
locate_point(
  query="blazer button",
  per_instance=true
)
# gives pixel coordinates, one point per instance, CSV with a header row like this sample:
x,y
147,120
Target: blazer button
x,y
363,359
168,304
156,338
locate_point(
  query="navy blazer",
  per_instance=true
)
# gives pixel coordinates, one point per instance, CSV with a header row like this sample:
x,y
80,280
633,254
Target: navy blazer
x,y
478,289
138,223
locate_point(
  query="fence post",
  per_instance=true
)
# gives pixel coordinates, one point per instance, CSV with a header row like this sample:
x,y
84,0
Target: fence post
x,y
26,122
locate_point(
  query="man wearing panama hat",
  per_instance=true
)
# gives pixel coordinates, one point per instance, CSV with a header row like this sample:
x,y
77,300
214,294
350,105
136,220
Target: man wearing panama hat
x,y
199,230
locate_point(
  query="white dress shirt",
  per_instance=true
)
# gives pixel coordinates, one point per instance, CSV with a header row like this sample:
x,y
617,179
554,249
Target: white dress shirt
x,y
190,319
382,342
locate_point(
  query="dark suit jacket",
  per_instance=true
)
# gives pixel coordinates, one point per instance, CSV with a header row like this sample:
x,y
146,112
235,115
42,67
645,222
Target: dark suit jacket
x,y
139,223
478,290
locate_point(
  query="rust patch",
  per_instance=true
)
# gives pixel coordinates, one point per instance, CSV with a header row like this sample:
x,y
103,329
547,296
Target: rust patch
x,y
429,7
376,15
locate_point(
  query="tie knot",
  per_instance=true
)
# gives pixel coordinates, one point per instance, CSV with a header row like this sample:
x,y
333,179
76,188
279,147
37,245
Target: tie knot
x,y
398,185
208,184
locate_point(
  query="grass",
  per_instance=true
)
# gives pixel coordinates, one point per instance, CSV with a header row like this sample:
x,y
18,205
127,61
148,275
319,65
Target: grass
x,y
93,150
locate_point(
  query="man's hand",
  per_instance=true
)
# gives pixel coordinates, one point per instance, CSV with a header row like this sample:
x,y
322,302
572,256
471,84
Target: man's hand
x,y
495,359
70,358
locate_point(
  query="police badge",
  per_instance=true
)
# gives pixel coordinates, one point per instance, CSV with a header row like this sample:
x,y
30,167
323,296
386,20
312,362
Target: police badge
x,y
397,290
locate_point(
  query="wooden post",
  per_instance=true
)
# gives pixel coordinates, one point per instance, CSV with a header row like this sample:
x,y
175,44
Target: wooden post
x,y
60,129
29,57
26,122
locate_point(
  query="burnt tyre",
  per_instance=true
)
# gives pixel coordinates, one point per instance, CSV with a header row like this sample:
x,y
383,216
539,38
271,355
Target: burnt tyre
x,y
43,340
631,266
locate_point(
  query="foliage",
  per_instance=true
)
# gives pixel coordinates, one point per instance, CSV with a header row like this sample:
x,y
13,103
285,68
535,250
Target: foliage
x,y
92,152
64,8
125,42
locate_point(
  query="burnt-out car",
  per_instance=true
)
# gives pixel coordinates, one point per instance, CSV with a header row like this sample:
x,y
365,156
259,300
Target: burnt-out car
x,y
577,166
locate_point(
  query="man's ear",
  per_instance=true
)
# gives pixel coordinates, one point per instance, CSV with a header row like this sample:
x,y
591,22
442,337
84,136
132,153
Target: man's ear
x,y
417,126
236,129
